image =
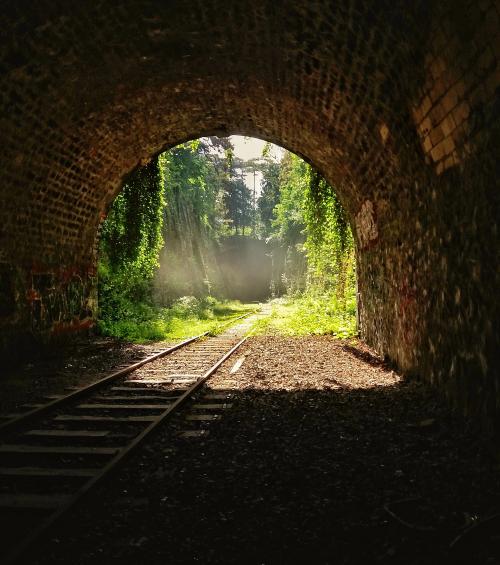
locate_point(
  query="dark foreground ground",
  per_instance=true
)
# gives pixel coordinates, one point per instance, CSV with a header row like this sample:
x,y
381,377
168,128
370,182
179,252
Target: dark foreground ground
x,y
326,456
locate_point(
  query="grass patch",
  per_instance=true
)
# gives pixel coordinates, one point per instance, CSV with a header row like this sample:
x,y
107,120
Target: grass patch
x,y
310,315
187,317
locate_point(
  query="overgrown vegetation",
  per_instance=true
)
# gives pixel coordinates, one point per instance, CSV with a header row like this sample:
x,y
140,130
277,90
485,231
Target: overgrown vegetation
x,y
313,253
131,240
178,202
186,317
158,269
329,243
310,314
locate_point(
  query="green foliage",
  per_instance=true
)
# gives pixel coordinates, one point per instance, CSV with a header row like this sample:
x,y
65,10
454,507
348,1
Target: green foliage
x,y
188,197
316,314
195,177
286,226
238,203
329,244
131,235
269,197
237,197
204,190
195,194
131,239
192,182
187,316
313,247
289,211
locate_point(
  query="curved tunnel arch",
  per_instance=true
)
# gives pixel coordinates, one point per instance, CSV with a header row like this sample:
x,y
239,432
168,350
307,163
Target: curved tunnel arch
x,y
394,104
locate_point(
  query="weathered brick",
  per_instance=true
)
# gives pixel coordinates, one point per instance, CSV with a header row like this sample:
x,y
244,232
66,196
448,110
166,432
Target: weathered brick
x,y
495,45
461,113
447,125
427,144
426,106
450,100
438,152
90,89
448,145
436,135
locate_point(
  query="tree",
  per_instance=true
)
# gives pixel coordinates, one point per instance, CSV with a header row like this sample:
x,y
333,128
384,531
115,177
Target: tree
x,y
131,239
289,212
269,196
238,203
131,235
316,247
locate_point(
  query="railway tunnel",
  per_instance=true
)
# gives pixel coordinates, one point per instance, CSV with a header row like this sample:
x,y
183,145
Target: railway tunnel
x,y
395,103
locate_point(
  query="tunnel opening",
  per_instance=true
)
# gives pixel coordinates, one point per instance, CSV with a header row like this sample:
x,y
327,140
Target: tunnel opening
x,y
216,222
396,106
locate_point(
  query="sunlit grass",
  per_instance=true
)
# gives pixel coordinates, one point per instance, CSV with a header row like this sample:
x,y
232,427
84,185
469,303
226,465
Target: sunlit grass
x,y
310,315
187,317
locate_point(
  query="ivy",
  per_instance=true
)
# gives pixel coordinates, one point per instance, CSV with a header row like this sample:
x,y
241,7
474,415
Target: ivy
x,y
131,239
329,243
194,194
310,227
131,236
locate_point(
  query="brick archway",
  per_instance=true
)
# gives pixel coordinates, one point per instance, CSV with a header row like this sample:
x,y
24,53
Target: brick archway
x,y
397,106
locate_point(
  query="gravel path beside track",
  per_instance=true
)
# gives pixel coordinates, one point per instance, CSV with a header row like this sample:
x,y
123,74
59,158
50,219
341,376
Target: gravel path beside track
x,y
321,435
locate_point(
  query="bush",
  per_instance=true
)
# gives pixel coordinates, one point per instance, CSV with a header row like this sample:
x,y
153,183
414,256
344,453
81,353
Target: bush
x,y
188,316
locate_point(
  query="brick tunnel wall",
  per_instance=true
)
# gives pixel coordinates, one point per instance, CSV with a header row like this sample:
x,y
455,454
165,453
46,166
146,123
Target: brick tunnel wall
x,y
396,103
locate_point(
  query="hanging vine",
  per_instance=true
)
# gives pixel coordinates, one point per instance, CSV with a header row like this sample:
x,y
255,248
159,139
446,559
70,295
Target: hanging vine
x,y
329,243
131,236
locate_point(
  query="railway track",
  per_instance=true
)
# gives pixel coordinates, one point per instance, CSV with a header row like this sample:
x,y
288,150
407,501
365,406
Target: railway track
x,y
52,456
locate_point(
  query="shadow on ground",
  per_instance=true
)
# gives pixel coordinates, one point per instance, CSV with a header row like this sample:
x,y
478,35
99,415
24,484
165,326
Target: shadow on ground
x,y
375,475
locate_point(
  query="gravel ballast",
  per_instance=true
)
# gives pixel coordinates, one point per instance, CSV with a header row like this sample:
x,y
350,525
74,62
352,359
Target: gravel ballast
x,y
325,456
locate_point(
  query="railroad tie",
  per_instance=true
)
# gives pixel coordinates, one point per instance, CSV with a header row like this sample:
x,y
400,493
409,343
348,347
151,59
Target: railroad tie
x,y
62,450
51,441
107,419
68,433
193,433
33,501
123,406
211,406
47,472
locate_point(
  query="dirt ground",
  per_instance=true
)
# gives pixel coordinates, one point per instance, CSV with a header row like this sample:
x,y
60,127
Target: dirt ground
x,y
325,456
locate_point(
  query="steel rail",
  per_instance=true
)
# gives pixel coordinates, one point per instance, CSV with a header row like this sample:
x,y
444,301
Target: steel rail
x,y
124,452
58,402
